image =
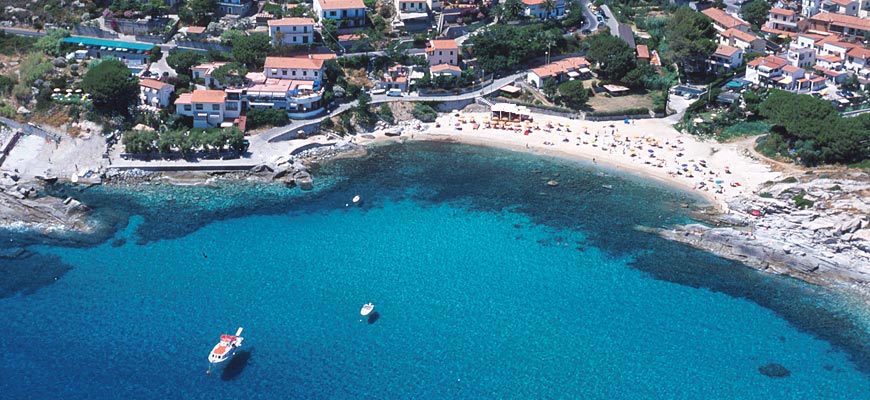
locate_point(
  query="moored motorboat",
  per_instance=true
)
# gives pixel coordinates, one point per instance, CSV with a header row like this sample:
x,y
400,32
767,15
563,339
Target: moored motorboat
x,y
224,351
367,309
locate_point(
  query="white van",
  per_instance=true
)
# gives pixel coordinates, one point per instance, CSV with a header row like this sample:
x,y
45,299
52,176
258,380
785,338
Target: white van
x,y
395,93
378,91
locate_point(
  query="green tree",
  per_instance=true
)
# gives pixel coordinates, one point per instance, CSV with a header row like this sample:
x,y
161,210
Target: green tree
x,y
156,54
573,94
690,39
298,12
329,33
200,11
252,50
755,12
232,74
574,17
52,43
155,8
182,60
513,10
140,142
267,117
386,113
6,85
112,86
614,58
231,36
549,7
363,116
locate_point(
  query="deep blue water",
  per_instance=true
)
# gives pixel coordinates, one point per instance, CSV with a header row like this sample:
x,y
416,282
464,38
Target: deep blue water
x,y
487,283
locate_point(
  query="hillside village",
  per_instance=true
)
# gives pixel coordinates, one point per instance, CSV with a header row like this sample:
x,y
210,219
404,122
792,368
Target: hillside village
x,y
246,65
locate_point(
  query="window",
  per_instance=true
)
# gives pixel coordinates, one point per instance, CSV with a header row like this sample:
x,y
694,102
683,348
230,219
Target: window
x,y
332,13
232,106
215,107
284,72
294,39
439,52
304,73
294,72
315,73
187,107
199,106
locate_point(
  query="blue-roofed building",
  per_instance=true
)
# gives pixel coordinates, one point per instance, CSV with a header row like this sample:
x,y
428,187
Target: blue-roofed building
x,y
134,54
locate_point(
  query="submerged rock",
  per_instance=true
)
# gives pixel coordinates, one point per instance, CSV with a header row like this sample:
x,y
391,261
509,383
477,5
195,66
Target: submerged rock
x,y
774,370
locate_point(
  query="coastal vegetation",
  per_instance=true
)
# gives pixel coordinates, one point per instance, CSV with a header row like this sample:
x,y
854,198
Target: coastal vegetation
x,y
424,112
507,48
810,131
266,117
148,142
111,85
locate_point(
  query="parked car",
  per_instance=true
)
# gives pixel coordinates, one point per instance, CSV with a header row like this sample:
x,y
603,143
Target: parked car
x,y
378,91
395,93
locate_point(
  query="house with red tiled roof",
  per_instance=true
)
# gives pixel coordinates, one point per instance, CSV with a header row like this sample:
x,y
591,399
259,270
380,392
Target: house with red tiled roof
x,y
858,58
445,69
844,7
539,8
292,31
726,57
835,47
203,71
745,41
561,70
846,25
155,93
348,13
831,62
642,53
305,68
762,70
723,21
782,19
442,51
209,108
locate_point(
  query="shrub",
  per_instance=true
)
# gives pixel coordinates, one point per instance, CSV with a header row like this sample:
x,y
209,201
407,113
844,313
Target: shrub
x,y
270,117
386,113
802,203
424,113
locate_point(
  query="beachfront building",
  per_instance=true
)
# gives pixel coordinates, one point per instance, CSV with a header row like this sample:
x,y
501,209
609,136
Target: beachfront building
x,y
348,13
781,19
154,93
300,68
761,71
238,8
442,51
723,21
560,71
726,57
542,9
209,108
203,71
396,77
135,55
830,62
746,41
292,31
846,25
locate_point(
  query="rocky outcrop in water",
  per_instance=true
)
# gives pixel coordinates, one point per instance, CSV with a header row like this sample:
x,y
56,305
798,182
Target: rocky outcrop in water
x,y
813,228
774,370
22,206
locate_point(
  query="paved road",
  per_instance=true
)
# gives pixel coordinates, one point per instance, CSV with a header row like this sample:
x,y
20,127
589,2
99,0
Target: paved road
x,y
611,21
33,129
24,32
272,134
589,21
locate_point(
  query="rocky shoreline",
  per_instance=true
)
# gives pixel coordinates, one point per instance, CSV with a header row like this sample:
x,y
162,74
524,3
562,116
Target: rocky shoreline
x,y
814,228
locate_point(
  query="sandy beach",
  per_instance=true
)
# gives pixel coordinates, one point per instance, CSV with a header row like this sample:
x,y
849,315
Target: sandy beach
x,y
651,148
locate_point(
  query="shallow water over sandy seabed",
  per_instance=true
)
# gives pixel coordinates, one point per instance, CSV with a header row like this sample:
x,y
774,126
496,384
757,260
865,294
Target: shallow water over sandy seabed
x,y
488,284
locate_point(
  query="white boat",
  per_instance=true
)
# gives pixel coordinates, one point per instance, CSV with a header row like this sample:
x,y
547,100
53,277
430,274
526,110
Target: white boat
x,y
367,309
224,351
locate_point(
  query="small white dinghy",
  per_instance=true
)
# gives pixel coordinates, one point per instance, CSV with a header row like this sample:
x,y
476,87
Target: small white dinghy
x,y
367,309
356,199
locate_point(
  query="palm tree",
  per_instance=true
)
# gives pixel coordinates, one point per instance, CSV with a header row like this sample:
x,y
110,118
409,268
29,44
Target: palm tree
x,y
549,7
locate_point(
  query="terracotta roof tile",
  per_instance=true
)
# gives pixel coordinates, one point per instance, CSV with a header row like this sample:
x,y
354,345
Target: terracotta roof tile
x,y
153,83
294,62
208,96
291,22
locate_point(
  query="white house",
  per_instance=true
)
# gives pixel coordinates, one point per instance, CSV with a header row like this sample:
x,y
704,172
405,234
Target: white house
x,y
742,40
801,57
303,68
348,13
445,69
783,19
857,59
442,51
207,107
291,31
727,57
560,71
762,70
723,21
203,71
155,93
844,7
538,8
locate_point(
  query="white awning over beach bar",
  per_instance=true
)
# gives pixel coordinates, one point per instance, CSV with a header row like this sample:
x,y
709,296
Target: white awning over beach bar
x,y
510,112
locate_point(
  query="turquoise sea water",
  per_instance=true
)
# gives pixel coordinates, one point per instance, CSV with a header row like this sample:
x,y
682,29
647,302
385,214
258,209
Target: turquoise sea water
x,y
487,284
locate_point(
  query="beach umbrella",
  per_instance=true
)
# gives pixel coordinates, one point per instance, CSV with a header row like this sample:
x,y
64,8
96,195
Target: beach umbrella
x,y
78,90
685,165
651,151
719,181
755,213
57,90
69,90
